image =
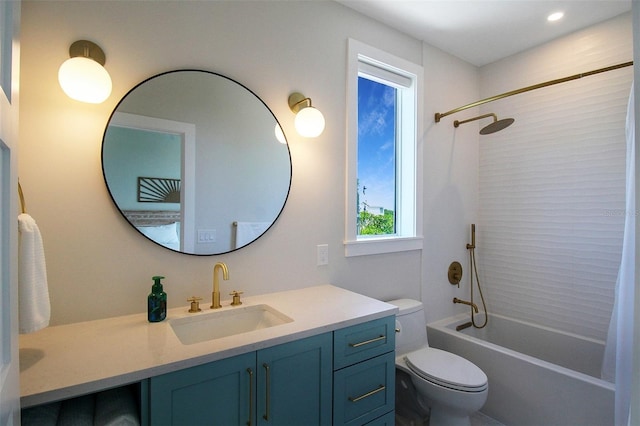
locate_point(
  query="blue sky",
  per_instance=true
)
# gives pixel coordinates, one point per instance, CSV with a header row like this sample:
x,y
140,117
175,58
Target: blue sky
x,y
376,143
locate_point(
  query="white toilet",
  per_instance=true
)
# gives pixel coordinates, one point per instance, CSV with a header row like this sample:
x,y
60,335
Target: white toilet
x,y
451,386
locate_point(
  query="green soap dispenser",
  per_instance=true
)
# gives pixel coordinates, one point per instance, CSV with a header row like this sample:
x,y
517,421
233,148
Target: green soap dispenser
x,y
157,302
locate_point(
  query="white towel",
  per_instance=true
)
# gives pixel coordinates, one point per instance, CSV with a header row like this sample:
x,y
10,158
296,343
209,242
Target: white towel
x,y
33,291
246,232
116,407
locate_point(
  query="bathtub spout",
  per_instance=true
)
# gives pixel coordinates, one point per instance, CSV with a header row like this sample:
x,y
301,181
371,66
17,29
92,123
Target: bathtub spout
x,y
463,326
464,302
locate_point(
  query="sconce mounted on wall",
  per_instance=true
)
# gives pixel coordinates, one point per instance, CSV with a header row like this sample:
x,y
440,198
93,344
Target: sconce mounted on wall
x,y
309,121
82,76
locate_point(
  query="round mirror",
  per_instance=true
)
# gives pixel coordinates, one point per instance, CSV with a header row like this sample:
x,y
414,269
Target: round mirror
x,y
196,162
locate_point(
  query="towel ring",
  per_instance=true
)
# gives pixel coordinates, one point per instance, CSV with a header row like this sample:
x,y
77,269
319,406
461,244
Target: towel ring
x,y
23,206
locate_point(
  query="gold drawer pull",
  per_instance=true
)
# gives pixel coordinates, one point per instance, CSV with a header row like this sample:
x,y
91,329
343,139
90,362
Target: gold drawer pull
x,y
268,391
366,342
368,394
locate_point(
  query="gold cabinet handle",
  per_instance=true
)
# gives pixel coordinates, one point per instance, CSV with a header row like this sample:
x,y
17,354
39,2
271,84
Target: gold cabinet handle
x,y
368,394
366,342
268,388
250,421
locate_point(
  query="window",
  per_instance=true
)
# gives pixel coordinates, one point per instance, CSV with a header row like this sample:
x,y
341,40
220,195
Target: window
x,y
376,174
384,205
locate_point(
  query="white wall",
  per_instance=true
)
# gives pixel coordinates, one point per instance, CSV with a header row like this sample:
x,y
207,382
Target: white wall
x,y
99,268
450,179
552,193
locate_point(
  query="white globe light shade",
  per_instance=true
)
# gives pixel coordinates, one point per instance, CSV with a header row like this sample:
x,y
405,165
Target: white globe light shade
x,y
280,134
309,122
84,80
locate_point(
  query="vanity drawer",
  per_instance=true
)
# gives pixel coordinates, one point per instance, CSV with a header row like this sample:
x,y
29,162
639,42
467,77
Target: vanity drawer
x,y
363,341
364,391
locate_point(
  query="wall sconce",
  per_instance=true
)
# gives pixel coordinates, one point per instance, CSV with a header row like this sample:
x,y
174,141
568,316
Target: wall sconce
x,y
83,77
280,134
309,121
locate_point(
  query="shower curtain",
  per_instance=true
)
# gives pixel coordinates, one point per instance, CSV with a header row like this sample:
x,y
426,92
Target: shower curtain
x,y
618,358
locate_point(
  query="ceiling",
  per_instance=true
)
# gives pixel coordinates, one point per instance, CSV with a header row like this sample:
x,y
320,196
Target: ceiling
x,y
484,31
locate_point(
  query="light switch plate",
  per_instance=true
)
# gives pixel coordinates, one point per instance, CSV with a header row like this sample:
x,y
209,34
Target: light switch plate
x,y
206,236
323,254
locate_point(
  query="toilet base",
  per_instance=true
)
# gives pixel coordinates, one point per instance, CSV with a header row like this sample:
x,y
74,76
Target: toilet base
x,y
411,409
448,407
440,416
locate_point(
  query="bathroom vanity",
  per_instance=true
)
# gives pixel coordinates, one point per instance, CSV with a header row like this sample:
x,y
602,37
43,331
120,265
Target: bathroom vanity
x,y
330,360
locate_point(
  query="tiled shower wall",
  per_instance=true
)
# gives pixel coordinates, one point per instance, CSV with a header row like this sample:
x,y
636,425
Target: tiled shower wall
x,y
551,186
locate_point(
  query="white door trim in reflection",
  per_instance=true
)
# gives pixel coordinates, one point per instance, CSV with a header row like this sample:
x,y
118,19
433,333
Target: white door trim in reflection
x,y
187,132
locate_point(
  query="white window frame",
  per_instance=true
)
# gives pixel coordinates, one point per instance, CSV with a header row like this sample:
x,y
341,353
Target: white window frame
x,y
388,69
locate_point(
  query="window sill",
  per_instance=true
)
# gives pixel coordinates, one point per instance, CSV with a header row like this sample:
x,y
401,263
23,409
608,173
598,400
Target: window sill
x,y
381,246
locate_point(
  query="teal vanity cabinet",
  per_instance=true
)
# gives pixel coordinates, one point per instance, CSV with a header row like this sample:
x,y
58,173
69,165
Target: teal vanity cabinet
x,y
294,382
287,384
332,365
364,373
344,377
215,393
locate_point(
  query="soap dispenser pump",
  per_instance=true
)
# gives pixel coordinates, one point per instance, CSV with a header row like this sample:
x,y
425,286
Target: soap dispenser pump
x,y
157,302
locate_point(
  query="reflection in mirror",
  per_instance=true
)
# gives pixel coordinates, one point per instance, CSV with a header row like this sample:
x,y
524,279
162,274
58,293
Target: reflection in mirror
x,y
191,160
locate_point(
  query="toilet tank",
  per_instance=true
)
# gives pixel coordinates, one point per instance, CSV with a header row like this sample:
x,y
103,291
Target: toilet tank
x,y
411,330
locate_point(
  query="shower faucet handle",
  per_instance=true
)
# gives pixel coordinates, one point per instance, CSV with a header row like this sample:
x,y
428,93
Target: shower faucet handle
x,y
455,273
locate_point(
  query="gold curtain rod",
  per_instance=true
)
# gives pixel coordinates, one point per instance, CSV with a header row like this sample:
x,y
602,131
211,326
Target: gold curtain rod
x,y
529,88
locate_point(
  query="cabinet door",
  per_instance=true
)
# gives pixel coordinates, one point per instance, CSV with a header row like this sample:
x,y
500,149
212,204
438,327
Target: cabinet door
x,y
217,393
295,382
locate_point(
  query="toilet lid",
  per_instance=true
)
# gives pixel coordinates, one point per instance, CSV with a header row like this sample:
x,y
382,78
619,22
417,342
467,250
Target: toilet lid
x,y
446,369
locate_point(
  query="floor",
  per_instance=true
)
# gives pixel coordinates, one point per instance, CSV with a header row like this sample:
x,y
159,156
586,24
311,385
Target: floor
x,y
480,419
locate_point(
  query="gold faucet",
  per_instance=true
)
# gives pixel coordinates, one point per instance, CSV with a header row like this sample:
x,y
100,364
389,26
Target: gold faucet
x,y
215,296
464,302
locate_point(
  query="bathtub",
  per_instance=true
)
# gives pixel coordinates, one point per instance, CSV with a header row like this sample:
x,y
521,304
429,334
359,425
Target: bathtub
x,y
537,375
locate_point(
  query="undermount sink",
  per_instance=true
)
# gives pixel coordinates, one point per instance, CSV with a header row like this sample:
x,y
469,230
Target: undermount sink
x,y
214,325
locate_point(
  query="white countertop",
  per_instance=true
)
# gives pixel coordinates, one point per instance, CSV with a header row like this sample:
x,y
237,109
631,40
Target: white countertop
x,y
69,360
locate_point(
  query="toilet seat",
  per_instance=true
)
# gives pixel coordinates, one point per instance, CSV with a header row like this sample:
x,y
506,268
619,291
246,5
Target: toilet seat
x,y
446,369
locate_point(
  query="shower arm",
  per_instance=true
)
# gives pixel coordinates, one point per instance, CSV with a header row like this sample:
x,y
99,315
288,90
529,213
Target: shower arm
x,y
440,115
458,123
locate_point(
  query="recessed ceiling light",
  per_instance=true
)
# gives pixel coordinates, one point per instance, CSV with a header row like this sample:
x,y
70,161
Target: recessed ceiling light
x,y
556,16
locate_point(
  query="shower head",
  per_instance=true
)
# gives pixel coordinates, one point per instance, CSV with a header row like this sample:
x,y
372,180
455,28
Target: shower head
x,y
496,126
493,127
